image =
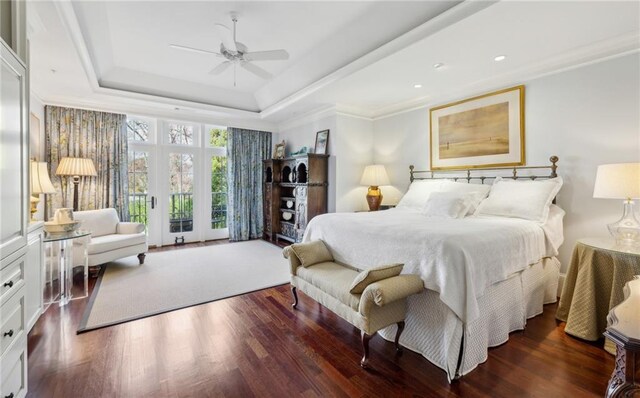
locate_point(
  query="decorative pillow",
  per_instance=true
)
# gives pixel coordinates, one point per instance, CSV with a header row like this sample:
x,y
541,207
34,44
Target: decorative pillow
x,y
448,204
312,253
477,192
521,199
369,276
418,193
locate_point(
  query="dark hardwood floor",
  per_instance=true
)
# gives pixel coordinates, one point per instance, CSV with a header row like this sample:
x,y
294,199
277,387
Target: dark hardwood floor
x,y
257,345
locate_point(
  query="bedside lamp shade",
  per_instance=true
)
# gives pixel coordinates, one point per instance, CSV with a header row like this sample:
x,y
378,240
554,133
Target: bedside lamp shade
x,y
374,176
621,181
76,167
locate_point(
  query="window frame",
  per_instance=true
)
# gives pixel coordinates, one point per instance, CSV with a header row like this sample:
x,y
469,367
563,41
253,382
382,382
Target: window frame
x,y
196,134
153,130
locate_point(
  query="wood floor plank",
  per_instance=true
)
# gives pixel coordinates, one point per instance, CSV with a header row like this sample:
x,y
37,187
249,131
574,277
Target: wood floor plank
x,y
257,345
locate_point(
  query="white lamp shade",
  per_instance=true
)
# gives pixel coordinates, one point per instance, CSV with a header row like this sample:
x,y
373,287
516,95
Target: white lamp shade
x,y
618,181
375,175
40,182
76,167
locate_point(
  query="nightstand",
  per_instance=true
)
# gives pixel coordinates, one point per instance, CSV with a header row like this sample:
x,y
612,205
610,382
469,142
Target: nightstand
x,y
594,285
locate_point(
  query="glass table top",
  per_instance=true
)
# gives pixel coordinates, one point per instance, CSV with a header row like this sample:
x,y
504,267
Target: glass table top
x,y
52,237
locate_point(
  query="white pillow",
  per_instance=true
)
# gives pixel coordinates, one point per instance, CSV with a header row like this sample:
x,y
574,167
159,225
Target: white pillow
x,y
477,192
520,199
418,193
448,204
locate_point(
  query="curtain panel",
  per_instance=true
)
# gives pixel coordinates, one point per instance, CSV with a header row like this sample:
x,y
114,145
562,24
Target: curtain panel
x,y
246,149
99,136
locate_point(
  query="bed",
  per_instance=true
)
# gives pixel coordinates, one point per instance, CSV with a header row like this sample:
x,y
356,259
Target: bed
x,y
484,275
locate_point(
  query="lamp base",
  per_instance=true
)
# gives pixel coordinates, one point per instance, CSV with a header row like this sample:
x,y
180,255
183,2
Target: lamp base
x,y
34,206
374,198
626,231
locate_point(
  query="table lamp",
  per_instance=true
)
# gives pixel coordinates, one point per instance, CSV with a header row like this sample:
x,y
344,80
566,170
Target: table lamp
x,y
621,181
374,176
76,167
40,184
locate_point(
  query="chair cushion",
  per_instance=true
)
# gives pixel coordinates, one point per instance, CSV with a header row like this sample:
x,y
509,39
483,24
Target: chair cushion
x,y
98,222
311,253
368,276
108,243
333,279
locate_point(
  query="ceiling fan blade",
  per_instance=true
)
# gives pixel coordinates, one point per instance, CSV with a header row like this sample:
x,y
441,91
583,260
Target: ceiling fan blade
x,y
195,50
226,35
256,70
220,68
272,55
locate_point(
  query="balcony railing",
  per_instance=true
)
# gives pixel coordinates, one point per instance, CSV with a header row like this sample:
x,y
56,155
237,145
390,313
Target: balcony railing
x,y
180,210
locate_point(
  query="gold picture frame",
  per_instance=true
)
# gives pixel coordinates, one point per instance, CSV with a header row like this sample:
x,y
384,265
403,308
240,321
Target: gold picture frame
x,y
478,132
279,151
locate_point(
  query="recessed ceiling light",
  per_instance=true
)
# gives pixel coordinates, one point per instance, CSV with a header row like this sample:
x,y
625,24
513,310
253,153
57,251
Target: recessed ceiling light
x,y
438,65
176,109
417,85
500,58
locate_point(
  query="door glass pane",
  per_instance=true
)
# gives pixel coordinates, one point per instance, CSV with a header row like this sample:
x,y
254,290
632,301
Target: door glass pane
x,y
181,192
181,134
138,184
137,130
218,192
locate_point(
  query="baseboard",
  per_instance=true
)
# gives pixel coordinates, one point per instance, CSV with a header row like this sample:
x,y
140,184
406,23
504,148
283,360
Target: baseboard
x,y
561,279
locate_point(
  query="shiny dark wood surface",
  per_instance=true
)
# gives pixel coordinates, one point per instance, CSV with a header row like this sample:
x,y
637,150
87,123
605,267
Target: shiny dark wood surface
x,y
257,345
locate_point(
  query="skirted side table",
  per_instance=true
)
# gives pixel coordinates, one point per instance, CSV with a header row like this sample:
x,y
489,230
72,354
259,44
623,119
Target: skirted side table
x,y
594,285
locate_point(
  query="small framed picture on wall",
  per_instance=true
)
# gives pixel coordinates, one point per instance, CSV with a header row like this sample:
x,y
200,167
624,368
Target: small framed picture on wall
x,y
322,142
278,153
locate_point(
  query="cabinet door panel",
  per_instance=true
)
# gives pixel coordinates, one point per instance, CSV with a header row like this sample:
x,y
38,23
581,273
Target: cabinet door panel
x,y
13,153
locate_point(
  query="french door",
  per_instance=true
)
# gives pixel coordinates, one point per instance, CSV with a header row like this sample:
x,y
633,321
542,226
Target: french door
x,y
177,182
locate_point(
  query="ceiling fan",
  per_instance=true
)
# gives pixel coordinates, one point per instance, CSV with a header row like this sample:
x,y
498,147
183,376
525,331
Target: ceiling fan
x,y
236,53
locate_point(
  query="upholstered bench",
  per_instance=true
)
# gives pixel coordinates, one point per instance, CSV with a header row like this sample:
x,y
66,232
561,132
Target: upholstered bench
x,y
369,299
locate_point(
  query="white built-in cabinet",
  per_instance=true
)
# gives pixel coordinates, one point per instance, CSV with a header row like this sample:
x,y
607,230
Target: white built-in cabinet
x,y
34,273
14,201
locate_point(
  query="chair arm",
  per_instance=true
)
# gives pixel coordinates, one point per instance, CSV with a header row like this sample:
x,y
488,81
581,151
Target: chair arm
x,y
294,261
126,228
389,290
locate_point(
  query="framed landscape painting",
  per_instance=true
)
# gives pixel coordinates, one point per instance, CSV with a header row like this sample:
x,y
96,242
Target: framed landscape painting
x,y
483,131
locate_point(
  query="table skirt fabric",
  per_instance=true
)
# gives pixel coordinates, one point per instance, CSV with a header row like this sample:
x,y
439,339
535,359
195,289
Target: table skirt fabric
x,y
593,286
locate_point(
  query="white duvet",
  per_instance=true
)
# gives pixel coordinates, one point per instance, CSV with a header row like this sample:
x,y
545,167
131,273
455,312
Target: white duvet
x,y
457,258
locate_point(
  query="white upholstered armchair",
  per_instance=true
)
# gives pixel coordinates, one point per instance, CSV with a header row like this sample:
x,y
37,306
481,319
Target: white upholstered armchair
x,y
110,239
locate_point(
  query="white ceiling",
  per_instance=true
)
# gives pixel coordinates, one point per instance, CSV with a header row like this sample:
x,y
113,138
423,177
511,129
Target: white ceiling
x,y
363,56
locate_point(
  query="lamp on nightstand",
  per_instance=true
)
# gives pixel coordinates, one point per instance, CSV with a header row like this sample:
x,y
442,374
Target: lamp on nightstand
x,y
76,168
374,176
621,181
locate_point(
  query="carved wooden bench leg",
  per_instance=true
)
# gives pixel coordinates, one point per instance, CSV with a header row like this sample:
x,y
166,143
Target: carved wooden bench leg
x,y
141,257
295,297
398,333
365,346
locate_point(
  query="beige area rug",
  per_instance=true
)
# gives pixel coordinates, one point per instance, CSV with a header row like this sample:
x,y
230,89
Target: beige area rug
x,y
176,279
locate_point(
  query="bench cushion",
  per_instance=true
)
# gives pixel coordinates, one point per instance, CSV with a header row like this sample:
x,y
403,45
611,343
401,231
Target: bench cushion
x,y
368,276
333,279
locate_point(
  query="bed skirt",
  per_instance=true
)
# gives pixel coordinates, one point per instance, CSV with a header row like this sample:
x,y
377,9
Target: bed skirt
x,y
434,331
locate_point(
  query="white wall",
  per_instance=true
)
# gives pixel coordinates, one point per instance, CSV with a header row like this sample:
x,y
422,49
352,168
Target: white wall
x,y
586,116
350,150
303,133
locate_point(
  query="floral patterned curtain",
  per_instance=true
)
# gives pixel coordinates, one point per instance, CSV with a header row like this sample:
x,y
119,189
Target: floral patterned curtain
x,y
100,136
246,149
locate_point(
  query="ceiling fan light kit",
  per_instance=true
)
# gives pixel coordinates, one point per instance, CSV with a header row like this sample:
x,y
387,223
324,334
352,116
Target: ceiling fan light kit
x,y
237,53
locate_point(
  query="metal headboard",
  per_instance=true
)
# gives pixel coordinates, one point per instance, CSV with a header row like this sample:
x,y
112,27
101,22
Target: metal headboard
x,y
466,174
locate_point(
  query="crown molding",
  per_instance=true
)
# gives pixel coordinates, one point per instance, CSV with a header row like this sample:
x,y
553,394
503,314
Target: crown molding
x,y
434,25
308,117
602,51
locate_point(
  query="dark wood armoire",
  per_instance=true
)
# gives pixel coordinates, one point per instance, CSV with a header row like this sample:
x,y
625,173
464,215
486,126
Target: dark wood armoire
x,y
295,191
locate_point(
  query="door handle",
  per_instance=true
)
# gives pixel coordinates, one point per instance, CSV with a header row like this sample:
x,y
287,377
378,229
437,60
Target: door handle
x,y
153,202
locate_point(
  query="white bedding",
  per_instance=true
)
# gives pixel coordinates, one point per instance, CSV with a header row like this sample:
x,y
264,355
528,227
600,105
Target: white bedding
x,y
457,258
